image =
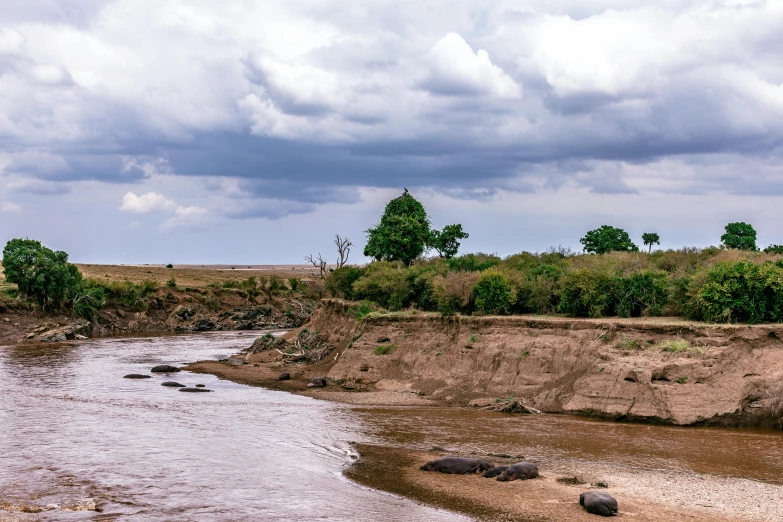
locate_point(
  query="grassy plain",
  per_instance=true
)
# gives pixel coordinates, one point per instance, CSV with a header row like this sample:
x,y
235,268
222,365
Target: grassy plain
x,y
194,276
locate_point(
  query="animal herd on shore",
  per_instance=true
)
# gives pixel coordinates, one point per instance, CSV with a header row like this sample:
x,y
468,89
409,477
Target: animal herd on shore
x,y
594,502
167,368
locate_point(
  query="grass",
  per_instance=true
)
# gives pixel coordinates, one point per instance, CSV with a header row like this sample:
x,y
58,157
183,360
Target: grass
x,y
472,338
629,344
385,349
675,345
681,380
192,276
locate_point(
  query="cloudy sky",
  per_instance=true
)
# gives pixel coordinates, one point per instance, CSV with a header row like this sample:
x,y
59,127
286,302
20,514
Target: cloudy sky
x,y
195,131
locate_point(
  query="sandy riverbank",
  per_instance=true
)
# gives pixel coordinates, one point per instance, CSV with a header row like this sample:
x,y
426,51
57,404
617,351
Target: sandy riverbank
x,y
649,495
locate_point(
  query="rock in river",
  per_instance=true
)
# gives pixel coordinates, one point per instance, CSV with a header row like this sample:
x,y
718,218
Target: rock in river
x,y
165,368
136,376
285,376
172,384
194,390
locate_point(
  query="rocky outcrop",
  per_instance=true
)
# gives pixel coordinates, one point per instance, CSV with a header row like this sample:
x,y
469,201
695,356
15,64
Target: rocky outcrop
x,y
651,370
51,333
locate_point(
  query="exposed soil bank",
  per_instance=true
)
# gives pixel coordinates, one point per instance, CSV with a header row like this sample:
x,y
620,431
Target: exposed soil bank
x,y
167,310
648,370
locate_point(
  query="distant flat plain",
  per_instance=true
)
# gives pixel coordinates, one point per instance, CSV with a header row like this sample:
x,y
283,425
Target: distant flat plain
x,y
195,276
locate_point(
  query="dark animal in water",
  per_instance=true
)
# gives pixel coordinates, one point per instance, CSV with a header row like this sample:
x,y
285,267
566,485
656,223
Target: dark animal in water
x,y
457,465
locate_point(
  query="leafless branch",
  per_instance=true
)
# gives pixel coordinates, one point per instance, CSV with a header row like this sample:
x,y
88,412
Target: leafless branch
x,y
343,249
319,263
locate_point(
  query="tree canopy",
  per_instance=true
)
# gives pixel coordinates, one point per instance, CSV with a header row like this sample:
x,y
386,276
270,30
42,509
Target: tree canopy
x,y
446,242
607,239
739,235
402,233
650,239
40,273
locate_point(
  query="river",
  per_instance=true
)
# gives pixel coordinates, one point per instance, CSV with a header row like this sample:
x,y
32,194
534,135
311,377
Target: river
x,y
74,432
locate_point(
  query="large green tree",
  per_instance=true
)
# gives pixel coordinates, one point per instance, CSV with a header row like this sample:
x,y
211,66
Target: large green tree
x,y
402,233
446,241
739,235
40,273
608,239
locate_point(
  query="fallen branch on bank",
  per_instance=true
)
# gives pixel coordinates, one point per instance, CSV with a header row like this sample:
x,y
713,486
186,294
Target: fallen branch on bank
x,y
512,405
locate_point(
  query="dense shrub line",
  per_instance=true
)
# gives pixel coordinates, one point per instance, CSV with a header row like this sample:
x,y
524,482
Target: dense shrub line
x,y
711,284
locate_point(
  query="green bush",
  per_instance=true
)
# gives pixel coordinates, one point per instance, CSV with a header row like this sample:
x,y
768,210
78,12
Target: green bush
x,y
588,293
296,284
492,293
386,284
87,300
538,291
741,291
454,292
644,293
774,249
135,296
340,282
473,262
171,283
41,274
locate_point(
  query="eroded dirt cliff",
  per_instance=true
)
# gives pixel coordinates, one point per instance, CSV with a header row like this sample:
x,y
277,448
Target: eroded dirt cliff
x,y
651,370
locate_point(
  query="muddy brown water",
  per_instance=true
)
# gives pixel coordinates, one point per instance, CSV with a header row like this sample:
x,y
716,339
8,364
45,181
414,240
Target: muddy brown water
x,y
73,431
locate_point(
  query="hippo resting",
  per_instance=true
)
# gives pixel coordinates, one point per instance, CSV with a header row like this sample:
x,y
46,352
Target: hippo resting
x,y
599,503
164,368
457,465
318,382
519,471
494,472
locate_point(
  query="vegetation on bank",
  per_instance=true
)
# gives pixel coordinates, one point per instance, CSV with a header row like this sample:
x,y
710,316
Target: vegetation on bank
x,y
734,282
711,284
38,278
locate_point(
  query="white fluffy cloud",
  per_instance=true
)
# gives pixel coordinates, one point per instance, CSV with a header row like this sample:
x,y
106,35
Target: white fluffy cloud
x,y
454,69
146,203
152,202
7,206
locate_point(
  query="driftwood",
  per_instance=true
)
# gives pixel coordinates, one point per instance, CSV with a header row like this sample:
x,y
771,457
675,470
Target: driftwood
x,y
513,405
308,347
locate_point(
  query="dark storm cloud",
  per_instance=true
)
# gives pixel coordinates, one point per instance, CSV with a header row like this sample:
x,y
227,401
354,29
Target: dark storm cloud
x,y
299,103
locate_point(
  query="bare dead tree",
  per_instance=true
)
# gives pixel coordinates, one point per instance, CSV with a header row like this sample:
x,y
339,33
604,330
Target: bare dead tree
x,y
319,263
343,249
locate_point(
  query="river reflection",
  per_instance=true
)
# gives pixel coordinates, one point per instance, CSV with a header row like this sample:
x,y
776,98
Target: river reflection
x,y
73,430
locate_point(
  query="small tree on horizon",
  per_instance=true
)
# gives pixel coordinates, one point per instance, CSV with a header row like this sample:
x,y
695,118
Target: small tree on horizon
x,y
607,239
741,236
650,239
402,233
446,242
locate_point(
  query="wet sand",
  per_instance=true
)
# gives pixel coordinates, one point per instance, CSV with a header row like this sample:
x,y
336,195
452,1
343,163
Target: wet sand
x,y
545,499
657,473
